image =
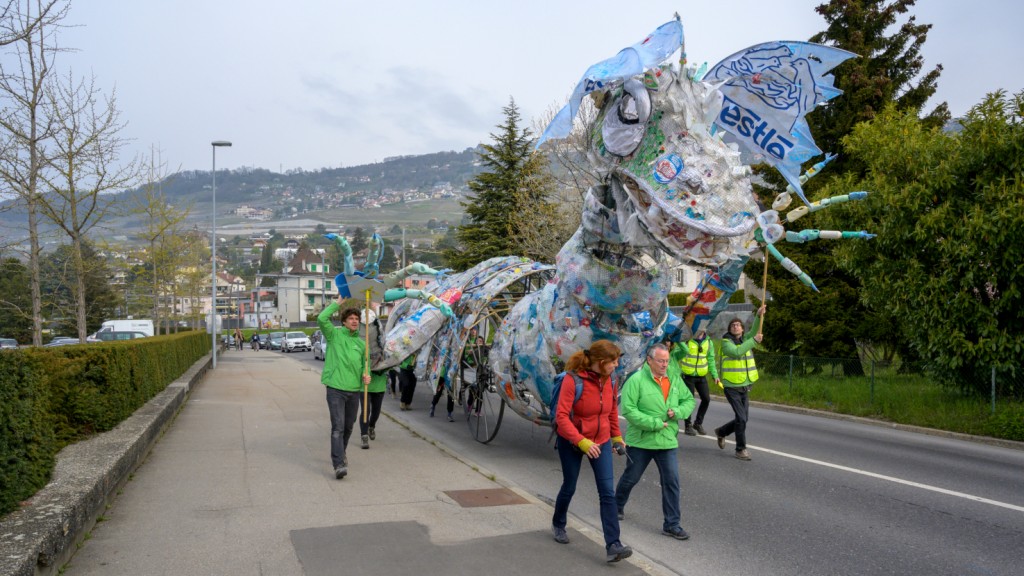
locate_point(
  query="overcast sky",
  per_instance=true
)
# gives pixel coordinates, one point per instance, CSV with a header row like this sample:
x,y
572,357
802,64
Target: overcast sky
x,y
329,83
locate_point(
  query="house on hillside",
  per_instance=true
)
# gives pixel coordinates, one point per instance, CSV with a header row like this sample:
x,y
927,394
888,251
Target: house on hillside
x,y
305,287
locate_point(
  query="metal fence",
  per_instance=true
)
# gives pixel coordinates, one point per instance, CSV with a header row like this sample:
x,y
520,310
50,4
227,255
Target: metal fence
x,y
1007,384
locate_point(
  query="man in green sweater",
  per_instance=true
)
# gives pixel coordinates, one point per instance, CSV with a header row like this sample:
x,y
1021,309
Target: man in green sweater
x,y
653,402
344,376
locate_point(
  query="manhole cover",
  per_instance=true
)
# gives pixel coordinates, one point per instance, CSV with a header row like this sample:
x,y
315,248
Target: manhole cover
x,y
486,497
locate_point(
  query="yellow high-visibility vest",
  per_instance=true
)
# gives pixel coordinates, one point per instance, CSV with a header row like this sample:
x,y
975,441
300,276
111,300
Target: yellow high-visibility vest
x,y
739,370
695,363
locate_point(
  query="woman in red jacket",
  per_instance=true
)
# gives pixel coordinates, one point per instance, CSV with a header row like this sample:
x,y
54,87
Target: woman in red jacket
x,y
590,426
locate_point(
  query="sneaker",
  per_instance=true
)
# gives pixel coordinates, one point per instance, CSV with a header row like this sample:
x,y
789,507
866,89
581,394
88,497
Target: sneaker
x,y
366,442
677,533
373,434
344,460
743,454
622,514
617,551
699,429
432,411
560,536
688,430
340,472
403,406
721,440
450,417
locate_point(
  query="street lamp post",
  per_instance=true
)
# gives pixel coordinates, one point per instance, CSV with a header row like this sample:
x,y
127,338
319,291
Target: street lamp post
x,y
323,282
213,253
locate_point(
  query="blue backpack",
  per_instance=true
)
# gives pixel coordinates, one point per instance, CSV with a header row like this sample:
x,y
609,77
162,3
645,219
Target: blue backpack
x,y
556,392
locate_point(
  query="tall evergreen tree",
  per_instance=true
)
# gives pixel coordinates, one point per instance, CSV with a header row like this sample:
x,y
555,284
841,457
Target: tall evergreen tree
x,y
513,183
887,71
15,301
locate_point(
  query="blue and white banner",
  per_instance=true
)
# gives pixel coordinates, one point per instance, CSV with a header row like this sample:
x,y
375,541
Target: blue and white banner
x,y
767,89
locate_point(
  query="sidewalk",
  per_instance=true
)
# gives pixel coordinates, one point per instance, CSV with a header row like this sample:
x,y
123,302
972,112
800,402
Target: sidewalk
x,y
241,484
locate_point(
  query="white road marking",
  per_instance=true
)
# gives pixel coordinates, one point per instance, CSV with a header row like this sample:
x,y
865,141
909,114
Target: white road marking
x,y
884,477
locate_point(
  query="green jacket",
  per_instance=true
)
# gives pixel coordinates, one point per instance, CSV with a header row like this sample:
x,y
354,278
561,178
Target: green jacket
x,y
378,381
646,410
736,352
345,360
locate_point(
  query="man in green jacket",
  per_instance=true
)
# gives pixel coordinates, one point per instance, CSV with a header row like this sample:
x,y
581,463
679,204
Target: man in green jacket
x,y
653,402
344,376
739,372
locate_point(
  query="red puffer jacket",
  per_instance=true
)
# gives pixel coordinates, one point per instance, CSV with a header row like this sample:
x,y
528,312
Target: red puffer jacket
x,y
595,415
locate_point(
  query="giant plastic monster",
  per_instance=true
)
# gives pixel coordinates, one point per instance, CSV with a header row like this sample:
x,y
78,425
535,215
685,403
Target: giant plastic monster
x,y
669,141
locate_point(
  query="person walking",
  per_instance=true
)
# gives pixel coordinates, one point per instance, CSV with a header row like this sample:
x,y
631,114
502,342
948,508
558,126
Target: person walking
x,y
440,390
738,373
375,395
255,341
696,359
239,339
407,381
589,426
653,402
344,377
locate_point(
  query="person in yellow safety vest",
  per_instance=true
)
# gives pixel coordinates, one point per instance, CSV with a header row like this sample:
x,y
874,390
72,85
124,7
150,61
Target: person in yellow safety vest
x,y
696,359
738,372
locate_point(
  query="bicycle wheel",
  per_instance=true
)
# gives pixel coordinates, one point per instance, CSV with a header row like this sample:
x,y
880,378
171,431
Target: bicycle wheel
x,y
484,407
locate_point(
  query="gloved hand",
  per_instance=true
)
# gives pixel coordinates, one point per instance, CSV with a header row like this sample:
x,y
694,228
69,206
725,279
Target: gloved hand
x,y
719,382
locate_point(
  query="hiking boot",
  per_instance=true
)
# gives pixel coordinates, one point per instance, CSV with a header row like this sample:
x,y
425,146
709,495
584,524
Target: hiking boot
x,y
450,417
373,434
699,429
340,472
688,429
743,454
432,411
678,533
560,536
622,514
366,442
721,440
617,551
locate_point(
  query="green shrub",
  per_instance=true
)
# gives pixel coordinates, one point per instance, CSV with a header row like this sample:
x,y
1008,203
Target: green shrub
x,y
52,397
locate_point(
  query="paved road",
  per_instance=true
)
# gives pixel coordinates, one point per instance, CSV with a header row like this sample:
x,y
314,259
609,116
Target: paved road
x,y
822,496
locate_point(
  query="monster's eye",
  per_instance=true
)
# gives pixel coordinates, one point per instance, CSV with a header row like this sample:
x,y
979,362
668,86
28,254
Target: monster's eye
x,y
626,122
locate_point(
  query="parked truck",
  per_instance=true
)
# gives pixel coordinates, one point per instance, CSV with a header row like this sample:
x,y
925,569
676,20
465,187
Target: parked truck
x,y
144,326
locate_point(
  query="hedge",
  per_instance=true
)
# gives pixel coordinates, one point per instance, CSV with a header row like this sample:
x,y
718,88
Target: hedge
x,y
52,397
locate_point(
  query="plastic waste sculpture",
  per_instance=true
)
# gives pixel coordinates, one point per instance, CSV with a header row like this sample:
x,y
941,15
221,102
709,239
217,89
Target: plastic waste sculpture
x,y
667,141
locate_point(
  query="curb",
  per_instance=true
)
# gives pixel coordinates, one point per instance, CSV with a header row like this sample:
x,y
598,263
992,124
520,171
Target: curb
x,y
42,536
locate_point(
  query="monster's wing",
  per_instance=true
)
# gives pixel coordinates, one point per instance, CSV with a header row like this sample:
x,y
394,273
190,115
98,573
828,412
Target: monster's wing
x,y
767,90
629,62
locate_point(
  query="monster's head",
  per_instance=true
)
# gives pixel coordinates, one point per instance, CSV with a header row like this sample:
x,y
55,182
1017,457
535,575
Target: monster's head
x,y
673,135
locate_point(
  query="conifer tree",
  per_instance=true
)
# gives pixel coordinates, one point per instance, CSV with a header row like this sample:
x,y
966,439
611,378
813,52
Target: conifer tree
x,y
514,183
886,71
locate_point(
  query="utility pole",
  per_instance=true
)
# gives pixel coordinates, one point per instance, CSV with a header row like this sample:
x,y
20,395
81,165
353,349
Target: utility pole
x,y
403,247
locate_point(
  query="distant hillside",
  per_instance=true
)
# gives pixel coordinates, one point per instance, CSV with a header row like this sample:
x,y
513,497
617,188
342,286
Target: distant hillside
x,y
328,191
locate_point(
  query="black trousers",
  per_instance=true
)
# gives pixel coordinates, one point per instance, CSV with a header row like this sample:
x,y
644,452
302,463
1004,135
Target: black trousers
x,y
737,397
407,380
698,386
367,422
441,389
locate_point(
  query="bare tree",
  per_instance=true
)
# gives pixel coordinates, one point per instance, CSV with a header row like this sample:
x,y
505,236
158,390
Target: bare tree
x,y
162,222
83,169
29,30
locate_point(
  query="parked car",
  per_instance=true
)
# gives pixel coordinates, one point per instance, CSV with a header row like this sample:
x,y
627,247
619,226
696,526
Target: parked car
x,y
294,341
61,341
114,335
8,344
320,348
276,339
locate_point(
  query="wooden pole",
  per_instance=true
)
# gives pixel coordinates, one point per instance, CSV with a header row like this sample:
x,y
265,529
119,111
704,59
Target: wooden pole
x,y
764,291
366,387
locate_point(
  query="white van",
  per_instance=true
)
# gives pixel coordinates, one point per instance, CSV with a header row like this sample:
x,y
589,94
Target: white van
x,y
144,326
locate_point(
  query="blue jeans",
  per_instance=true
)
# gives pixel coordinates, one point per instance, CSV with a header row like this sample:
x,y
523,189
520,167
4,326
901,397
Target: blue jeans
x,y
572,460
343,407
667,462
737,397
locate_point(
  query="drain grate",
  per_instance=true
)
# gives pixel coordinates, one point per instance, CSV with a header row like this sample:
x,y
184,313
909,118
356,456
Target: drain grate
x,y
486,497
